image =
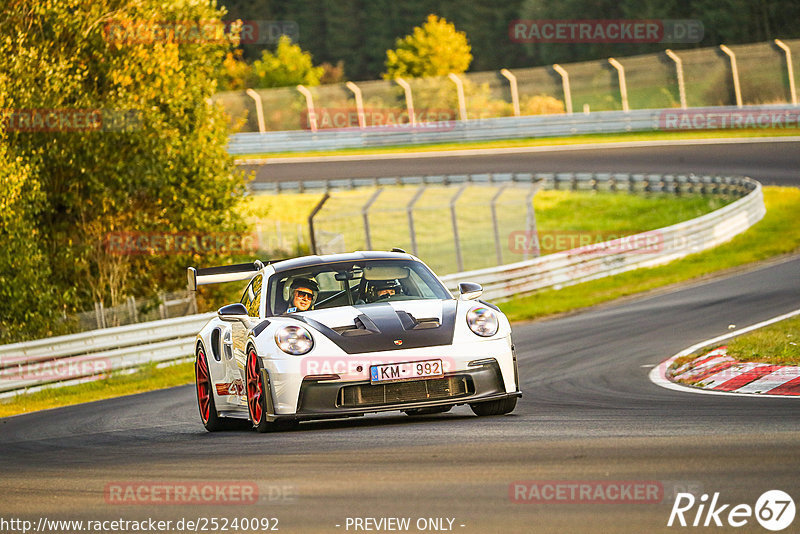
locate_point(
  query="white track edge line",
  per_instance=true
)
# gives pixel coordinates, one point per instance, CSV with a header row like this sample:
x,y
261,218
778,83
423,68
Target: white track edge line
x,y
657,374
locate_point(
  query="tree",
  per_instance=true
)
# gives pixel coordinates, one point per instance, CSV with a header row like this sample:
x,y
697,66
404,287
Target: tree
x,y
153,160
435,49
29,306
236,74
289,65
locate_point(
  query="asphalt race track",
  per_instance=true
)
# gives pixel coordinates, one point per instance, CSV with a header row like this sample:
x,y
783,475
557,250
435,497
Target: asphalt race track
x,y
772,163
589,413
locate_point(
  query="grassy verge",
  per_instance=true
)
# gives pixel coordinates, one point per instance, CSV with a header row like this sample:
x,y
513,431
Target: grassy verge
x,y
777,344
777,233
147,378
537,141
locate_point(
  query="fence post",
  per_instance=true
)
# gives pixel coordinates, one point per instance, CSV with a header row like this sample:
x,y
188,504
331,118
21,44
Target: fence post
x,y
531,221
462,103
100,315
132,309
359,103
735,72
623,86
565,85
512,82
162,306
312,116
789,68
314,212
259,110
495,226
365,215
410,212
453,219
679,73
409,100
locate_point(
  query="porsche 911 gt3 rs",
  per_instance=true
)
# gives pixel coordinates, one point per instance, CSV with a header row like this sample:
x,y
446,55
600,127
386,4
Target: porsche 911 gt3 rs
x,y
344,335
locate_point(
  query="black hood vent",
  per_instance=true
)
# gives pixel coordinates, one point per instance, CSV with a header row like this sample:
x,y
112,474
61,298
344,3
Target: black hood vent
x,y
379,328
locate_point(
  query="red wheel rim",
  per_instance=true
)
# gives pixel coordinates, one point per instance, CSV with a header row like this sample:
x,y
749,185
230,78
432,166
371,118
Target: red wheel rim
x,y
254,390
203,386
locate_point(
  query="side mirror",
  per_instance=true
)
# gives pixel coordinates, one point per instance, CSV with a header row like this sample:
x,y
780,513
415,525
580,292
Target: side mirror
x,y
469,291
232,312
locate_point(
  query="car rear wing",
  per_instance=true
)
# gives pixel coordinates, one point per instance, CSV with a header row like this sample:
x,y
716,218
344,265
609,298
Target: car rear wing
x,y
225,273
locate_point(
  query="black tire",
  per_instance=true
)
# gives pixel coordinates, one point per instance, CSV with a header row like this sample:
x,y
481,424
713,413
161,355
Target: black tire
x,y
496,407
205,397
428,411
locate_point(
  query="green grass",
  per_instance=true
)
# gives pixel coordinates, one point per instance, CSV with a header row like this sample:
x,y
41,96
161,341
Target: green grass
x,y
147,378
777,344
777,233
538,141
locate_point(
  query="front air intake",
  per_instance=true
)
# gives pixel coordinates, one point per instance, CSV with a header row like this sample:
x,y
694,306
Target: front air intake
x,y
404,392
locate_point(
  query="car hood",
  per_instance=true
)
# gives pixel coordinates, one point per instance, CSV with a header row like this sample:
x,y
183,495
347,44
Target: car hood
x,y
385,326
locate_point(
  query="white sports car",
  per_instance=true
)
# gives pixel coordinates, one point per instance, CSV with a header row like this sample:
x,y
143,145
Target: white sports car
x,y
343,335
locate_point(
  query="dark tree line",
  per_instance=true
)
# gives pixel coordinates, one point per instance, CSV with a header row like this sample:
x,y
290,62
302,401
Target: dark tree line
x,y
360,31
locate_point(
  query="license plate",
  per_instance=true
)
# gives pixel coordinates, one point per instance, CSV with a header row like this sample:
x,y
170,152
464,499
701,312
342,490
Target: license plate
x,y
395,372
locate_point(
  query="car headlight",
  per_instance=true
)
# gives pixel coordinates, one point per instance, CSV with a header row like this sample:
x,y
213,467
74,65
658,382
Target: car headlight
x,y
294,340
483,321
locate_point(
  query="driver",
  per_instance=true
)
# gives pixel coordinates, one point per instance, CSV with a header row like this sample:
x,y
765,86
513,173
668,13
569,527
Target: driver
x,y
383,289
304,293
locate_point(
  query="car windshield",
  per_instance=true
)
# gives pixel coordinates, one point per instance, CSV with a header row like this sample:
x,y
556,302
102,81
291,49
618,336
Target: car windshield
x,y
352,283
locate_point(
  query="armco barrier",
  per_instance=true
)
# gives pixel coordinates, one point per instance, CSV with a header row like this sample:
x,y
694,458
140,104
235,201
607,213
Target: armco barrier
x,y
603,122
63,360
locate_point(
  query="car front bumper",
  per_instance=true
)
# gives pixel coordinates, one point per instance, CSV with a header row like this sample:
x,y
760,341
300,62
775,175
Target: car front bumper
x,y
321,399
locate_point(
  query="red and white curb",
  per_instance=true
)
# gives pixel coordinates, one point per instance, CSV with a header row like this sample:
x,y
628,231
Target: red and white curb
x,y
716,373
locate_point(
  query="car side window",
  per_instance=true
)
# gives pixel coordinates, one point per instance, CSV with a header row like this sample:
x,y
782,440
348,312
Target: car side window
x,y
254,292
251,299
247,296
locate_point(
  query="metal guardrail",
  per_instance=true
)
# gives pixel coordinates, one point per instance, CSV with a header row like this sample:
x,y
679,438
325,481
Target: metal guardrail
x,y
647,249
74,358
65,360
603,122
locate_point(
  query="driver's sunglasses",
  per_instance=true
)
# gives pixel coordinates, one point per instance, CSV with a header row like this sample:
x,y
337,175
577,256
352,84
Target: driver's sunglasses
x,y
304,294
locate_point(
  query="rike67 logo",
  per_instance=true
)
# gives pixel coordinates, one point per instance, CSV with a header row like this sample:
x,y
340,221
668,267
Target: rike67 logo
x,y
774,510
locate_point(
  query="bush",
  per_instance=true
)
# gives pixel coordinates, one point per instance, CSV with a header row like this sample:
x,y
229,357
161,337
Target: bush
x,y
288,66
435,49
